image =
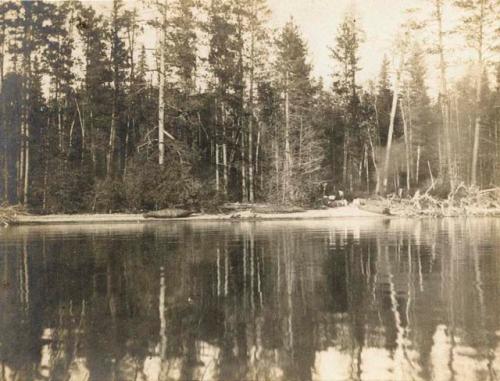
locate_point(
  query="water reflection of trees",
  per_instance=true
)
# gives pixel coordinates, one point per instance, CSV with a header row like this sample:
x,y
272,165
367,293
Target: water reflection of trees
x,y
409,300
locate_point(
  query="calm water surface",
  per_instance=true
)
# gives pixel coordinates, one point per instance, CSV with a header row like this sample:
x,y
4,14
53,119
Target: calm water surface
x,y
310,300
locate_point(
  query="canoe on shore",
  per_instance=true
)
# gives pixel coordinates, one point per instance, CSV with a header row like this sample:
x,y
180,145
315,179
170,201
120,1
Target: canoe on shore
x,y
168,213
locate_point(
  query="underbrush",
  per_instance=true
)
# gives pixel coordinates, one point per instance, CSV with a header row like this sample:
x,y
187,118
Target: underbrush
x,y
462,201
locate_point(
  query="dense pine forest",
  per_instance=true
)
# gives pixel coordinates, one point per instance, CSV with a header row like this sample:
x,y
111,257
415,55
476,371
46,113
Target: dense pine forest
x,y
226,108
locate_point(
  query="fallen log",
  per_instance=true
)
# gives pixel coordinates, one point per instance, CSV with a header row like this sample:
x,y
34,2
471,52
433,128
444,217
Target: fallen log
x,y
238,206
375,208
269,209
168,213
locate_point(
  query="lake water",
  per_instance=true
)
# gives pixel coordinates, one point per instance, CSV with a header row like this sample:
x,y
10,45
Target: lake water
x,y
361,299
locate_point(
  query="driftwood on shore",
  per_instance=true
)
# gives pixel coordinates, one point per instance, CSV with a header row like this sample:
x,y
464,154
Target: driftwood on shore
x,y
269,209
8,214
376,207
168,213
462,201
260,208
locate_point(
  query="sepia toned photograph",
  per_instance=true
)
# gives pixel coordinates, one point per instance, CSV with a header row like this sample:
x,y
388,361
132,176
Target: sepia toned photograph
x,y
249,190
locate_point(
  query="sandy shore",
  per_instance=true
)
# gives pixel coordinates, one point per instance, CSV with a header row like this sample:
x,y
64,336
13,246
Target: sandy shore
x,y
345,211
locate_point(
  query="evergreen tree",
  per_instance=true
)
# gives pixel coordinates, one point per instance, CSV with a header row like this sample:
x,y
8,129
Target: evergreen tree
x,y
32,27
423,136
223,61
345,87
95,91
115,157
480,28
383,102
294,83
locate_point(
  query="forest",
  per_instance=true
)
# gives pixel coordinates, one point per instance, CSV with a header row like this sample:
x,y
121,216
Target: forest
x,y
226,108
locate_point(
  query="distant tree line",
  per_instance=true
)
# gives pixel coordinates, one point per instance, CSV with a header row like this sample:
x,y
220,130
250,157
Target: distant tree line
x,y
226,109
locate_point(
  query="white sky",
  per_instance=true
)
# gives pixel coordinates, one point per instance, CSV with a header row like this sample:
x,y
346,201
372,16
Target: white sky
x,y
318,21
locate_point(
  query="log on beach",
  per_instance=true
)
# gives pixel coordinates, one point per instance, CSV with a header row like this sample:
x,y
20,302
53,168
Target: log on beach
x,y
168,213
375,208
269,209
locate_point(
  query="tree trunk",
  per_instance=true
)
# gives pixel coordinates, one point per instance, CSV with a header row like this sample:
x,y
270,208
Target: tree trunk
x,y
367,168
299,158
417,169
92,143
46,167
161,88
288,156
251,164
224,151
217,177
346,156
112,143
82,126
111,155
244,197
3,123
377,174
250,156
216,141
477,121
258,168
27,107
26,161
443,98
391,128
407,147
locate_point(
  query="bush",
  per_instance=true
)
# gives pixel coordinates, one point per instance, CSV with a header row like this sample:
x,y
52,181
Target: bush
x,y
149,186
109,197
70,190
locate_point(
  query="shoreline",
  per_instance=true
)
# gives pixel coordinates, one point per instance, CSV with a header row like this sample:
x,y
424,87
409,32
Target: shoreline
x,y
116,218
349,211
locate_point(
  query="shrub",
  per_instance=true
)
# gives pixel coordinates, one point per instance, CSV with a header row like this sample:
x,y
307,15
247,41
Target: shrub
x,y
149,186
109,197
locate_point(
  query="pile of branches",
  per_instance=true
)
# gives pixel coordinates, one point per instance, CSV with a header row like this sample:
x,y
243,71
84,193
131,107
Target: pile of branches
x,y
8,213
461,201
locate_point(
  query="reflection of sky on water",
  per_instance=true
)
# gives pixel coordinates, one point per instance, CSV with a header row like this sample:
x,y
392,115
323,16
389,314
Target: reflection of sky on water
x,y
322,300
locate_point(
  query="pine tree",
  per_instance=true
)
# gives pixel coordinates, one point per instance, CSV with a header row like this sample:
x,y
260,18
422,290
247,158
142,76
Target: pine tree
x,y
423,136
223,60
345,53
294,83
383,102
4,153
32,26
95,91
256,14
182,52
479,27
115,156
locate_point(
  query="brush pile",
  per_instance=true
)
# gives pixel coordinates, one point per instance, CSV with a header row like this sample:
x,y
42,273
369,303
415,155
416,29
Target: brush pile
x,y
462,201
8,213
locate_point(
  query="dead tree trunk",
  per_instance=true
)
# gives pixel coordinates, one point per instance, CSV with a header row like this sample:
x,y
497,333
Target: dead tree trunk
x,y
288,155
217,163
443,99
224,151
477,121
407,147
161,87
3,124
391,128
